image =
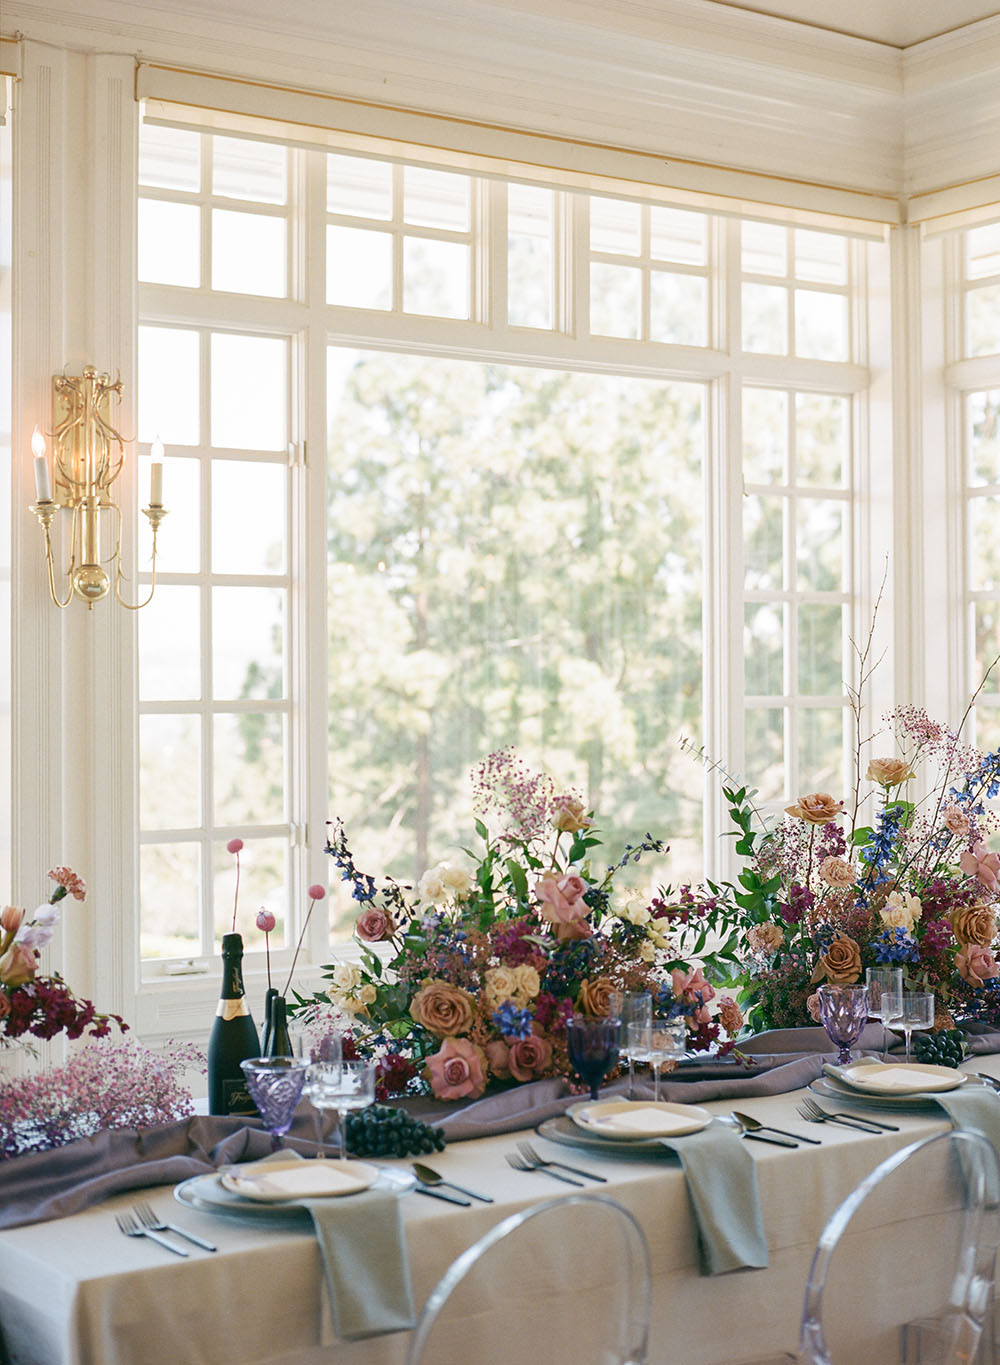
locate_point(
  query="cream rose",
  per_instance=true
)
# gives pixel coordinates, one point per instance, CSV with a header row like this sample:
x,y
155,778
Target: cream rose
x,y
635,911
499,984
456,881
765,938
528,983
345,978
836,872
841,963
570,815
888,772
974,924
819,808
901,911
443,1009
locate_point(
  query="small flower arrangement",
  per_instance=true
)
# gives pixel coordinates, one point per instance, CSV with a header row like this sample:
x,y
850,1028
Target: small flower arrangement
x,y
108,1084
469,978
42,1005
836,888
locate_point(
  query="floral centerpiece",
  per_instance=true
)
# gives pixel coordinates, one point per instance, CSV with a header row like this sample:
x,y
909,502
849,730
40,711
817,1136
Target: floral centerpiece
x,y
878,880
469,978
31,1003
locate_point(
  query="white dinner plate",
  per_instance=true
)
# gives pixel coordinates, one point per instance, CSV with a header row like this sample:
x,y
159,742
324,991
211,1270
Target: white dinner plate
x,y
898,1078
827,1088
629,1120
207,1194
271,1182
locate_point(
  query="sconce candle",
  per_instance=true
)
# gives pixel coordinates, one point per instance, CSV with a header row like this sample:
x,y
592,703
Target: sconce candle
x,y
43,488
156,475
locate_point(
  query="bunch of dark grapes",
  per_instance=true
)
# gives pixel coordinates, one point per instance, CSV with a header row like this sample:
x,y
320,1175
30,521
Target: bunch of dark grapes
x,y
381,1130
945,1048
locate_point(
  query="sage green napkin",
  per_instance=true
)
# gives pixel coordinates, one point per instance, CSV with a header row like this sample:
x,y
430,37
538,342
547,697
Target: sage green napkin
x,y
722,1185
363,1246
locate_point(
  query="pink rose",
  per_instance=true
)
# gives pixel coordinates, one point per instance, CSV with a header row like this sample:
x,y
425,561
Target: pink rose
x,y
458,1070
689,986
976,964
18,965
498,1058
374,925
980,863
529,1057
562,904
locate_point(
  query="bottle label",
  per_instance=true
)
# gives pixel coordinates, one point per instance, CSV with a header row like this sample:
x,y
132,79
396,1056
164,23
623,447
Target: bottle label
x,y
233,1009
236,1098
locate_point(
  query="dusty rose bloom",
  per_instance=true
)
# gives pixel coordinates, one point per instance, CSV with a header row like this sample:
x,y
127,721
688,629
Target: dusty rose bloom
x,y
730,1015
18,965
819,808
956,821
888,772
841,963
688,986
812,1005
10,918
765,938
980,863
836,872
443,1009
374,925
594,997
458,1070
570,815
976,964
974,924
523,1058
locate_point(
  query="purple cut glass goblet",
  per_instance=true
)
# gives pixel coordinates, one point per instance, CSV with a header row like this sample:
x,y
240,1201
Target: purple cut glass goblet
x,y
843,1012
592,1044
275,1085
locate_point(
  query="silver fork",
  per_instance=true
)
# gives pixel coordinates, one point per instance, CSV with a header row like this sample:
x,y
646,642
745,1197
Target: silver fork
x,y
148,1217
810,1110
530,1154
521,1163
131,1227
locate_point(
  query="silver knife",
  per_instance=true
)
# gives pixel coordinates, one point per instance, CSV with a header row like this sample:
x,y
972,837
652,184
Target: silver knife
x,y
765,1137
440,1194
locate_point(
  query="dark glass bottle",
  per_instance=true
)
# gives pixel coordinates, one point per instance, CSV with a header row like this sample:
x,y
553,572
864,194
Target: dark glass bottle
x,y
279,1043
233,1037
265,1043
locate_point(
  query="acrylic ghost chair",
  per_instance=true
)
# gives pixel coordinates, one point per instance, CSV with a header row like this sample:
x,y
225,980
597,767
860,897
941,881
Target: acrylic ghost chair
x,y
564,1257
927,1223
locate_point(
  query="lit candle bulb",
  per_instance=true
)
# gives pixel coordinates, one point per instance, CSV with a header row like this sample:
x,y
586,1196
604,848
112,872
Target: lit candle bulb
x,y
43,489
156,475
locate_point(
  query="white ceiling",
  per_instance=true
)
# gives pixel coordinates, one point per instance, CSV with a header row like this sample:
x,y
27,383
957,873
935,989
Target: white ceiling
x,y
897,22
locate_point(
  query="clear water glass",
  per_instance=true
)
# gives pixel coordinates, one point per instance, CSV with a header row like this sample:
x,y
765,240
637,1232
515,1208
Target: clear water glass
x,y
343,1087
667,1039
632,1007
885,998
917,1013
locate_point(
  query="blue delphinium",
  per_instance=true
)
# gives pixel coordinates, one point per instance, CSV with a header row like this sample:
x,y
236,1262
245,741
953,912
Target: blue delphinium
x,y
878,852
895,945
512,1022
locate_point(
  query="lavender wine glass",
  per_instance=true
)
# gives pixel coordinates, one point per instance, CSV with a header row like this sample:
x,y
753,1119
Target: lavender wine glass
x,y
592,1043
843,1012
275,1085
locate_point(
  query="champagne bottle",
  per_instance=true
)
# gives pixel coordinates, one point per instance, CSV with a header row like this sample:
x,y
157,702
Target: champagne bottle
x,y
233,1037
265,1042
279,1043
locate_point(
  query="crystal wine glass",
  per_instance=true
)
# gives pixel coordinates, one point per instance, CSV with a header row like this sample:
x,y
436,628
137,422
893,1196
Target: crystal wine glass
x,y
885,998
667,1036
341,1086
592,1042
314,1048
275,1085
843,1012
632,1008
917,1013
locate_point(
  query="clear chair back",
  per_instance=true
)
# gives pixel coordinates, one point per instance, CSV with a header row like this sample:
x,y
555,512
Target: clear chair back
x,y
568,1279
903,1271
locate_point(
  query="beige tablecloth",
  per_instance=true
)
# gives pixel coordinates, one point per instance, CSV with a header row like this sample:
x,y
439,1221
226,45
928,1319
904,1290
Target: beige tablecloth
x,y
75,1292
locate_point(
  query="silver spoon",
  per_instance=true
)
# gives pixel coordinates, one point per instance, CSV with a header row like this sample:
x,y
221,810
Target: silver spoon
x,y
426,1176
751,1125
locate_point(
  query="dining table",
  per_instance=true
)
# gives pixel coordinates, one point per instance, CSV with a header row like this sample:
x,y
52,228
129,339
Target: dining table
x,y
75,1291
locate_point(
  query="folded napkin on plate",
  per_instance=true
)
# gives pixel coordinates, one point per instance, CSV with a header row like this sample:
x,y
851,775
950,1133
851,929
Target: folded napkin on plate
x,y
363,1246
722,1184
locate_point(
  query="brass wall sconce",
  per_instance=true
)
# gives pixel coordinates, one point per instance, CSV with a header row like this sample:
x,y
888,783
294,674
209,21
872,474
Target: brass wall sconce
x,y
87,457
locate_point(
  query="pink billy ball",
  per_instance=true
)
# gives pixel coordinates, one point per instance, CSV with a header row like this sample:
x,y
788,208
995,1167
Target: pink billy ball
x,y
234,845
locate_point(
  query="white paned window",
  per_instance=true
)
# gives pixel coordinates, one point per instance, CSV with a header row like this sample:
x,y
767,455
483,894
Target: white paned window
x,y
509,397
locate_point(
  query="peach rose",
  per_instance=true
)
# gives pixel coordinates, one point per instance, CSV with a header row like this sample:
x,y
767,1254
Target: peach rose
x,y
956,821
841,963
765,938
374,925
443,1009
980,863
690,986
974,924
594,996
819,808
812,1006
836,872
18,965
888,772
458,1070
730,1015
976,964
570,815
